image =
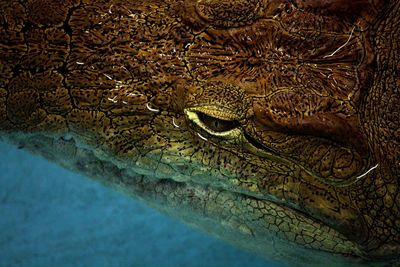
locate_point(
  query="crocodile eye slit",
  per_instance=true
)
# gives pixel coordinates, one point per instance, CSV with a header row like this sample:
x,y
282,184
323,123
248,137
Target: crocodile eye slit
x,y
214,126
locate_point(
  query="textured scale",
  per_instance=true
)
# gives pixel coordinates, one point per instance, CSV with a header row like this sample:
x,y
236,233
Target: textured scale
x,y
272,124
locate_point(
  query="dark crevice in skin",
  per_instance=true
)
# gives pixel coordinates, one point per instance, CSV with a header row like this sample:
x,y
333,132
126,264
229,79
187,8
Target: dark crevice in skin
x,y
63,70
17,69
66,26
257,144
28,26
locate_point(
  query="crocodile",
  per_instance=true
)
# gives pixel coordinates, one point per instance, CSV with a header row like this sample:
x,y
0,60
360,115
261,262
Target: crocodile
x,y
274,125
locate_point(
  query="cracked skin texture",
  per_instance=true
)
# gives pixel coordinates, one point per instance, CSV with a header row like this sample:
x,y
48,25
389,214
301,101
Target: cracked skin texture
x,y
271,124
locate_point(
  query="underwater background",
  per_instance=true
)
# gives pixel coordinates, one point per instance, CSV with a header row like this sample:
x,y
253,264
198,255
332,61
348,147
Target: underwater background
x,y
50,216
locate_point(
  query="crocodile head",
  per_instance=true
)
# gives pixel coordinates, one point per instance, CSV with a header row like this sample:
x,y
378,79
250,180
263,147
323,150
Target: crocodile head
x,y
272,124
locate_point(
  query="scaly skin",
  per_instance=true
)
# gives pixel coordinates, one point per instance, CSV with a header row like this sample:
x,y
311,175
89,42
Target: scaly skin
x,y
272,124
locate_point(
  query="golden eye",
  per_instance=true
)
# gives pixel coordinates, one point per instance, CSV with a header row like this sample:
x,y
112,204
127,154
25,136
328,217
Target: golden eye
x,y
214,126
217,125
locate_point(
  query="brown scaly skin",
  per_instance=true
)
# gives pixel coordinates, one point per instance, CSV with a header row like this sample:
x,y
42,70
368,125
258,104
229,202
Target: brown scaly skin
x,y
272,124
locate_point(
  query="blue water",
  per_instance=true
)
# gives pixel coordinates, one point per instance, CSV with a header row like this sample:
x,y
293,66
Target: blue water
x,y
52,217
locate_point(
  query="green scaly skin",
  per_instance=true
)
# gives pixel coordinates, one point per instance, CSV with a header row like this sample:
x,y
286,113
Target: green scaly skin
x,y
274,125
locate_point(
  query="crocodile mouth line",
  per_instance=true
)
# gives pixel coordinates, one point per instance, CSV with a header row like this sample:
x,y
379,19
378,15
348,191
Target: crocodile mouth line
x,y
353,179
229,129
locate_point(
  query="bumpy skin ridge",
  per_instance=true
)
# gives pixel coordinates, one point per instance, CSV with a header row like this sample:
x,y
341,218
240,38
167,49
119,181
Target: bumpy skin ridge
x,y
272,124
382,118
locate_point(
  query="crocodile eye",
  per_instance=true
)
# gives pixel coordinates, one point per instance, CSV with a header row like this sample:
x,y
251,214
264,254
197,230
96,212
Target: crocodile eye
x,y
215,124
